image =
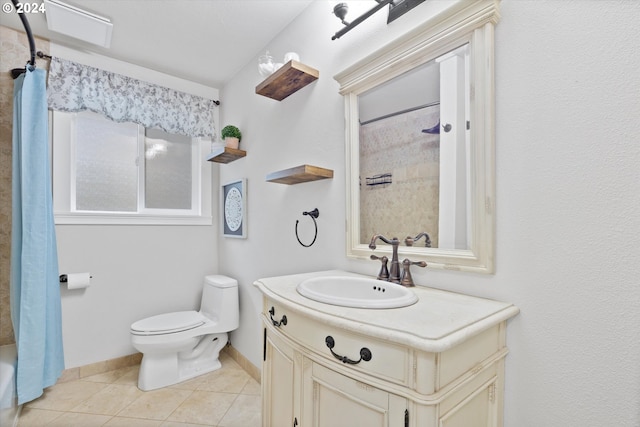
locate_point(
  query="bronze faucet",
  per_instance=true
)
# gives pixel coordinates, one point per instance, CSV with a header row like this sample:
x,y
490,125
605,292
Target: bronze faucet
x,y
407,280
384,271
394,272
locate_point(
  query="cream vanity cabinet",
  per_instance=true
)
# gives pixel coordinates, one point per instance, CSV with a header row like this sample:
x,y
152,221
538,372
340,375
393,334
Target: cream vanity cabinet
x,y
439,362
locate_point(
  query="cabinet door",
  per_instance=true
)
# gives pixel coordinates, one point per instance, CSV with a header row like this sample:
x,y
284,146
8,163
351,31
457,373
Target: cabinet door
x,y
278,382
334,400
478,410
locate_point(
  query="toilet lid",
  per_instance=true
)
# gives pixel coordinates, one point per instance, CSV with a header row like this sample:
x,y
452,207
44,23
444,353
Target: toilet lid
x,y
168,323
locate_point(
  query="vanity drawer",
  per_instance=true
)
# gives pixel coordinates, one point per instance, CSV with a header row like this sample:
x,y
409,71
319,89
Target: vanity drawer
x,y
386,361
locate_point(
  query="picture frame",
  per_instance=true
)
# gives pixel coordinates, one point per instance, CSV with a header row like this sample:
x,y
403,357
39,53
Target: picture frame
x,y
233,202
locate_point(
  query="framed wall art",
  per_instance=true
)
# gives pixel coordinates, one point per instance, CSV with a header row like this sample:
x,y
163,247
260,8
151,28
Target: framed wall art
x,y
234,209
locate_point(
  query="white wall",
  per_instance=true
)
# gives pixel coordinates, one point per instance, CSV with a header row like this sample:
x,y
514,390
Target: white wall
x,y
568,195
138,271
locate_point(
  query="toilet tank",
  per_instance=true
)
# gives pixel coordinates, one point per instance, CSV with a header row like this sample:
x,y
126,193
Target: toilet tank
x,y
220,301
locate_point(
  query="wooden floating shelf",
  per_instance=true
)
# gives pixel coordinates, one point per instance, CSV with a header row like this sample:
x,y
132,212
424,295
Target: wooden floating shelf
x,y
300,174
286,80
226,155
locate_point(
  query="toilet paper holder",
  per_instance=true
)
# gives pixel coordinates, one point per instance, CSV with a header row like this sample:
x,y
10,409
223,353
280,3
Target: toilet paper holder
x,y
64,279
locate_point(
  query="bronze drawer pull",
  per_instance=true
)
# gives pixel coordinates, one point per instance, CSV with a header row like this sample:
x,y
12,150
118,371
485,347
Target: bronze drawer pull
x,y
365,353
282,321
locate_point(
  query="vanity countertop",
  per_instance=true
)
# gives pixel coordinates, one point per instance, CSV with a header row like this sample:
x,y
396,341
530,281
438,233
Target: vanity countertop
x,y
437,322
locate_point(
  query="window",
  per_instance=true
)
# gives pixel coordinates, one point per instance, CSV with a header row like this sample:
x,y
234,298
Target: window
x,y
121,173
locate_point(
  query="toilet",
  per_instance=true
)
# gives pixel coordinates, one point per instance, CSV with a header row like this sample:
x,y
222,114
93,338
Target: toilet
x,y
184,344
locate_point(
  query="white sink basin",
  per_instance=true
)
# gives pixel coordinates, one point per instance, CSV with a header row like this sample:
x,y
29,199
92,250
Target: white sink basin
x,y
357,292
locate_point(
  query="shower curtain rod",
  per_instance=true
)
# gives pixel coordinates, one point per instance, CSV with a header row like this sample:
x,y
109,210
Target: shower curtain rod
x,y
397,113
32,44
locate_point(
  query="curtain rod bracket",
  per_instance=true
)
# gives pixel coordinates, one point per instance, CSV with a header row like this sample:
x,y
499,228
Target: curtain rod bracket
x,y
43,55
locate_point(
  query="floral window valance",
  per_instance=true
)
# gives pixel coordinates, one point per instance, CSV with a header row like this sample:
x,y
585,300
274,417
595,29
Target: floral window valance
x,y
75,87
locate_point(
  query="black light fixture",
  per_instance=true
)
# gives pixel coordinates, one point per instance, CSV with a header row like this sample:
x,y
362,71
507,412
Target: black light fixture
x,y
397,8
340,10
400,7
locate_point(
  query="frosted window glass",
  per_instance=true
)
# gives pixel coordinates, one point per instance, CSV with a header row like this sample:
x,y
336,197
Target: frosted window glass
x,y
106,170
168,174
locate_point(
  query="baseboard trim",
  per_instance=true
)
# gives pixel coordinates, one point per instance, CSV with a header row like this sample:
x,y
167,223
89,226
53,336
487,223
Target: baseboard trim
x,y
244,363
100,367
134,359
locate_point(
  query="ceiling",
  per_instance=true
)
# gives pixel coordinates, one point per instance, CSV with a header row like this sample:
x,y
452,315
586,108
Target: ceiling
x,y
205,41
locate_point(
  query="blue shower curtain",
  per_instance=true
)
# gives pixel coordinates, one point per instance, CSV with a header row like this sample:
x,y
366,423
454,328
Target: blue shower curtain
x,y
35,287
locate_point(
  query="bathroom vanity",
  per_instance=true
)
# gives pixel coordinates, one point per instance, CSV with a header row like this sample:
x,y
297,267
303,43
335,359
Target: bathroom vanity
x,y
437,362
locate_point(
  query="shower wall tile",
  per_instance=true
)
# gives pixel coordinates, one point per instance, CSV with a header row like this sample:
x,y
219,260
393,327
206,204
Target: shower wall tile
x,y
409,205
14,53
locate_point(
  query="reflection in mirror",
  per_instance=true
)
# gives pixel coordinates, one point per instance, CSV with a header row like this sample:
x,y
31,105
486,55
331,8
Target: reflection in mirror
x,y
414,145
420,141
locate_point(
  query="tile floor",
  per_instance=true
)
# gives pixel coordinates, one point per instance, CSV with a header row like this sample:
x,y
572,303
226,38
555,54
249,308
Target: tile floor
x,y
228,397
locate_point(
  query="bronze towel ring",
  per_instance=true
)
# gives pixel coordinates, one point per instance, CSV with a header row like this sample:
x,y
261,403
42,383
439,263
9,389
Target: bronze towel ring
x,y
313,214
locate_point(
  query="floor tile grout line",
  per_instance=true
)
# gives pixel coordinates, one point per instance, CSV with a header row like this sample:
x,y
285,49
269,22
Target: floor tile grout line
x,y
177,407
105,383
228,409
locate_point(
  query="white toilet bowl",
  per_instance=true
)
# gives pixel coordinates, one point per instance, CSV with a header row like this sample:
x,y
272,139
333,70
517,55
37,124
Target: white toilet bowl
x,y
182,345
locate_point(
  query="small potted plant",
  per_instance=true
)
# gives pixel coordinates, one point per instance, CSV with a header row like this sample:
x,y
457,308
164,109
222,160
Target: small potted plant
x,y
231,136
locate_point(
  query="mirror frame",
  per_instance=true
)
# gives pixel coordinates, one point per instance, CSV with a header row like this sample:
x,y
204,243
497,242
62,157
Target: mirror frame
x,y
465,22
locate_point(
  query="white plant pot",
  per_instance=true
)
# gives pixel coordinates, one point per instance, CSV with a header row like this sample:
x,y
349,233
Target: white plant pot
x,y
232,142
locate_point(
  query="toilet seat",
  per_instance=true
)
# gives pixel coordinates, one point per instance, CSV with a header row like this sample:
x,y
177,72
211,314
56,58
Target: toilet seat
x,y
168,323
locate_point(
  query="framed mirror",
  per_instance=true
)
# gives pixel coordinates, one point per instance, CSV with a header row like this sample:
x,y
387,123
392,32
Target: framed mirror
x,y
420,142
